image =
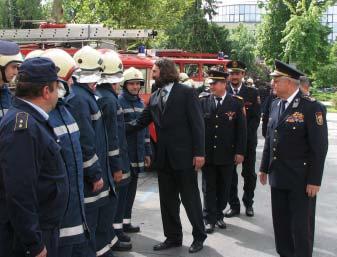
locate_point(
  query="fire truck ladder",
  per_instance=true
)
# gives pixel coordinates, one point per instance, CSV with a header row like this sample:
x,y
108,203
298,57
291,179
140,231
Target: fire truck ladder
x,y
75,33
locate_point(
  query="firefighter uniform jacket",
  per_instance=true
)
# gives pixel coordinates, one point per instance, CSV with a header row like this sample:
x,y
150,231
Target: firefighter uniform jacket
x,y
138,143
252,103
73,226
118,149
225,129
93,137
33,181
296,144
5,100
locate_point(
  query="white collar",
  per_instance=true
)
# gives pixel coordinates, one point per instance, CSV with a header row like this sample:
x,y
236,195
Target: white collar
x,y
168,87
222,97
239,88
37,108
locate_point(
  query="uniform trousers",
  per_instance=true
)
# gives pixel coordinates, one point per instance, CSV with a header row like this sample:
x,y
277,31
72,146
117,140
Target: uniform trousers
x,y
120,209
73,250
216,183
172,184
130,199
294,221
249,177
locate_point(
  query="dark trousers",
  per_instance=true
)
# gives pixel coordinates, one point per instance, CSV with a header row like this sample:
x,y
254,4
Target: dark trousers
x,y
100,221
183,183
294,222
249,177
121,203
216,182
73,250
49,237
6,239
130,199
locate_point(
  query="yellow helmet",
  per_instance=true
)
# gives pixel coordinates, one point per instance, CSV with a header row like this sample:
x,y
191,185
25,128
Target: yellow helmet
x,y
90,64
65,63
113,67
34,53
133,74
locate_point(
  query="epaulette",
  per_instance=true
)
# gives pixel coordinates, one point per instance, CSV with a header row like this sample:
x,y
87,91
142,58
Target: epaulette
x,y
238,97
21,121
204,94
308,98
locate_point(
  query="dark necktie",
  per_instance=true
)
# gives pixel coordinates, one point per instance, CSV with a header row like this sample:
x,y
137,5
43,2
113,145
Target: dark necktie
x,y
282,107
236,91
163,93
218,103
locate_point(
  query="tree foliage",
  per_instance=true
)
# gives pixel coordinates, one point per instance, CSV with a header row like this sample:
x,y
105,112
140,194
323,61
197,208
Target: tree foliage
x,y
194,33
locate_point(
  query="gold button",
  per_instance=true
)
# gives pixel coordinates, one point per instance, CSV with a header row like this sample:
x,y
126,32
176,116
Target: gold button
x,y
216,126
275,158
304,163
216,116
274,149
275,130
215,136
274,140
214,146
294,127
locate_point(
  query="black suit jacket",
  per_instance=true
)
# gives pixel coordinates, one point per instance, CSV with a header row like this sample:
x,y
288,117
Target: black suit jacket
x,y
296,144
226,131
252,103
180,127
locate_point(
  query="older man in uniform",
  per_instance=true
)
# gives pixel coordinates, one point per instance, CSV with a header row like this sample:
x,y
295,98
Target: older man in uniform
x,y
294,154
252,103
33,180
226,136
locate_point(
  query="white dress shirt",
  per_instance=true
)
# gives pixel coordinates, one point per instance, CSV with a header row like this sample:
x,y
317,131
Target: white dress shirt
x,y
290,99
37,108
222,98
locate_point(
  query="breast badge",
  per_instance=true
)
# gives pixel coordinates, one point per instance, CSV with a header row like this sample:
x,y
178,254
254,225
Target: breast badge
x,y
295,117
230,115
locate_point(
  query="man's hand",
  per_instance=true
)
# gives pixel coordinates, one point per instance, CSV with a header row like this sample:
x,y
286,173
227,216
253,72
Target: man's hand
x,y
43,253
263,177
312,190
118,176
198,162
98,185
147,161
238,159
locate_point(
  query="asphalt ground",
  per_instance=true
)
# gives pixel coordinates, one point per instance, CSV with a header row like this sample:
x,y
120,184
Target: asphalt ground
x,y
244,236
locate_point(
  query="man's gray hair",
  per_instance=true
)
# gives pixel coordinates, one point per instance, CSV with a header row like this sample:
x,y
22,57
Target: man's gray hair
x,y
304,80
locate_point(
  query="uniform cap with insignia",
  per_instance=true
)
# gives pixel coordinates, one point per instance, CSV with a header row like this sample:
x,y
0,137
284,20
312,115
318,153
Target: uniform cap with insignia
x,y
234,66
285,70
215,75
38,70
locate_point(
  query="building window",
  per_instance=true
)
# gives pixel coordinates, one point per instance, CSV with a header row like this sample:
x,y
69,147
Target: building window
x,y
239,13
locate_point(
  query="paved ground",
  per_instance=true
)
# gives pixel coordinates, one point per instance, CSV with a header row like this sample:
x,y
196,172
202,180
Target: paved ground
x,y
249,237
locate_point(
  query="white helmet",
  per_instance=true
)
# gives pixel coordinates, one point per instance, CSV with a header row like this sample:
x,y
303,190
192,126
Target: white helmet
x,y
34,53
113,67
9,53
133,74
183,77
90,64
63,61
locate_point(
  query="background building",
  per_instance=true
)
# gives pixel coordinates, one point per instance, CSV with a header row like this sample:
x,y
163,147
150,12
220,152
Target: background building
x,y
230,13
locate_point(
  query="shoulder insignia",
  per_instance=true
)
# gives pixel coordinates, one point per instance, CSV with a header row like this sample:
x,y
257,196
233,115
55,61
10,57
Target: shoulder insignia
x,y
21,121
308,98
204,94
319,118
238,97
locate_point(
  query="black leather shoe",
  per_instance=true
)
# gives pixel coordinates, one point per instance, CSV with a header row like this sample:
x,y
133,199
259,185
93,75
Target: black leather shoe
x,y
221,224
123,237
196,246
209,228
129,228
232,213
250,211
166,245
121,247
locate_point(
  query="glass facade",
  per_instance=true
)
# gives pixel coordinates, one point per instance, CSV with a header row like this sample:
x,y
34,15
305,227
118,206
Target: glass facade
x,y
244,13
330,18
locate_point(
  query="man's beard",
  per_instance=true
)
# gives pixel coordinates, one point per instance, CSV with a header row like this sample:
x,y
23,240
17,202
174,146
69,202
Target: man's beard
x,y
159,83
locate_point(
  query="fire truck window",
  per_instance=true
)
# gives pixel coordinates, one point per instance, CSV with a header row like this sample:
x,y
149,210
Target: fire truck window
x,y
206,67
178,67
191,70
143,89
